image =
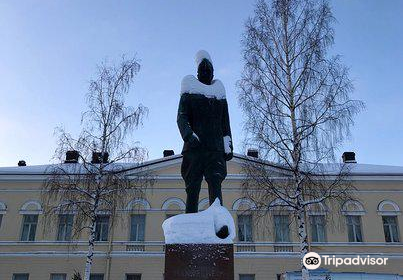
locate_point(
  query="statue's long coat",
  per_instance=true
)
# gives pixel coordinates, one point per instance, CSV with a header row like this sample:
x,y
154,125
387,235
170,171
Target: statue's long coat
x,y
203,114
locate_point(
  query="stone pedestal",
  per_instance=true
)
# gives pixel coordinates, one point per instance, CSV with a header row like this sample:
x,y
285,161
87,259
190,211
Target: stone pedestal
x,y
199,262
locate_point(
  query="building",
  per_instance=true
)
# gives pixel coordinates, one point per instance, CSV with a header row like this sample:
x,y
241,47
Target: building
x,y
322,274
133,248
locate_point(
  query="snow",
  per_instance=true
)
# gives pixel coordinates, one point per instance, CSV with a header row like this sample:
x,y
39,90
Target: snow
x,y
199,228
227,144
372,169
195,135
200,55
190,84
356,169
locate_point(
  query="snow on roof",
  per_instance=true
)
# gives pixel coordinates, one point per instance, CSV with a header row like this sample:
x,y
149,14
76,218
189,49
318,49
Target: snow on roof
x,y
47,168
190,84
72,168
374,169
358,169
200,55
32,169
354,168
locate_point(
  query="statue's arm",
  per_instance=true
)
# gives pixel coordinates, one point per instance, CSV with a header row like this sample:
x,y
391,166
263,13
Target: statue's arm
x,y
183,118
226,129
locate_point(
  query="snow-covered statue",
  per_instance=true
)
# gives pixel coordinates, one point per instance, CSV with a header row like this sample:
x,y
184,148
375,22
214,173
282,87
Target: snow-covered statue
x,y
204,125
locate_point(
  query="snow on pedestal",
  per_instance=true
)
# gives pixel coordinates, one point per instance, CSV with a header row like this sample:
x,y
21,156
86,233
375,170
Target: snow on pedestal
x,y
200,228
193,251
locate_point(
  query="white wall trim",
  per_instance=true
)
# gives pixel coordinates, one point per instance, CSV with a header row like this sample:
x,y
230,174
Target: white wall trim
x,y
160,243
224,189
25,211
203,203
360,212
277,204
69,254
323,209
138,201
382,212
175,201
243,201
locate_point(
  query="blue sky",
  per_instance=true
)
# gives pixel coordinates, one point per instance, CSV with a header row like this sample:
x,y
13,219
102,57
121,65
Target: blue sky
x,y
49,50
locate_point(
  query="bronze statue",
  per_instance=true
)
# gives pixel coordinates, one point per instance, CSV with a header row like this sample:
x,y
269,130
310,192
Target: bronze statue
x,y
204,125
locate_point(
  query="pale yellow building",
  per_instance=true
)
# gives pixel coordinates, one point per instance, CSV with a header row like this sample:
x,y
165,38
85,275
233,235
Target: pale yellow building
x,y
133,247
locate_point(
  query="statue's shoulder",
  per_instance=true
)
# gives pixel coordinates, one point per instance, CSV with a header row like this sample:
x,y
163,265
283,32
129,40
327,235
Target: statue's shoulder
x,y
188,84
191,85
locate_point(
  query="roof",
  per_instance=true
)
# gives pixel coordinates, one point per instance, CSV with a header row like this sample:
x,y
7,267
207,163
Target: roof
x,y
356,169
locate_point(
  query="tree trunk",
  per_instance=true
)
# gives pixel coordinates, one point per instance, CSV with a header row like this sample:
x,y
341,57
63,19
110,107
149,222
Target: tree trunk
x,y
303,241
90,253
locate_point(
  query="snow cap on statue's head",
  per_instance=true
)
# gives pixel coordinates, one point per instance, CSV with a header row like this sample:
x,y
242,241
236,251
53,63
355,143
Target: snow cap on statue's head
x,y
200,55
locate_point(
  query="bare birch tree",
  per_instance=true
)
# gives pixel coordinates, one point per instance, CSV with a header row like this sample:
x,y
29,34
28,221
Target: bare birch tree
x,y
97,184
296,99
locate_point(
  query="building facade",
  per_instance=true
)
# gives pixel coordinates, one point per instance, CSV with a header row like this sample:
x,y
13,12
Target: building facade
x,y
134,247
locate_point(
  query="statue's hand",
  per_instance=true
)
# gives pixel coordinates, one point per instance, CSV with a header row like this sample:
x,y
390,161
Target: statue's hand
x,y
228,156
228,147
194,140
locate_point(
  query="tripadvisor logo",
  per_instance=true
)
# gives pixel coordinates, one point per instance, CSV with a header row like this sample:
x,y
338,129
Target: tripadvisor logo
x,y
313,260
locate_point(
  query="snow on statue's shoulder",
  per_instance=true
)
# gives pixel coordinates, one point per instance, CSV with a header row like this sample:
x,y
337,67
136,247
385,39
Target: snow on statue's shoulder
x,y
190,84
200,228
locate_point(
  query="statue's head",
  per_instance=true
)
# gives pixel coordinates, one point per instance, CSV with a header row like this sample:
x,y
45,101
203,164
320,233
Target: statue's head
x,y
205,70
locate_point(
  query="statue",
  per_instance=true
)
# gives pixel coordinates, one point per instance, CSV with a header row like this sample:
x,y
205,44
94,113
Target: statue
x,y
204,125
200,245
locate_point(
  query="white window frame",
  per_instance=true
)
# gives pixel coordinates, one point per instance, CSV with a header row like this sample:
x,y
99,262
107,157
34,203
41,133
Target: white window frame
x,y
137,228
249,216
20,274
52,275
389,226
65,228
288,234
30,226
101,229
354,227
312,227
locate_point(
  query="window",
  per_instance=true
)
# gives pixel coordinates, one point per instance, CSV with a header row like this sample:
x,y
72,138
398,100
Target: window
x,y
97,276
65,227
58,276
137,227
101,229
390,228
245,228
29,227
21,276
246,276
281,228
318,228
133,276
354,228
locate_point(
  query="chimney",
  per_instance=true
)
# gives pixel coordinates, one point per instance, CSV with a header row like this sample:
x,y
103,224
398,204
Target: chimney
x,y
349,157
253,153
168,153
22,163
97,157
71,157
